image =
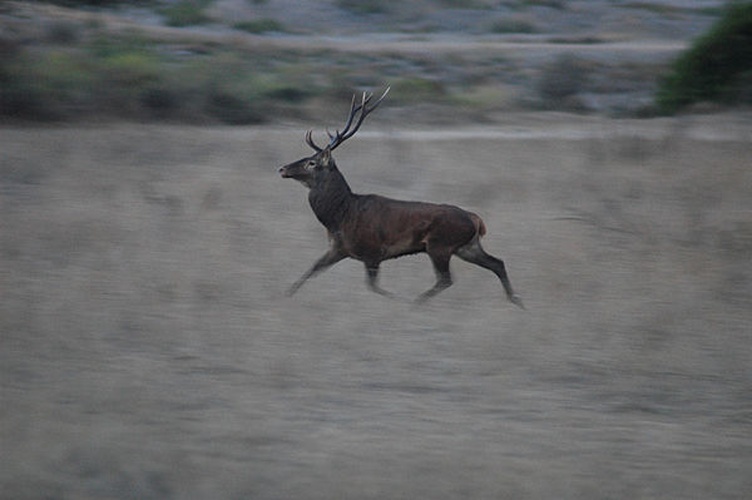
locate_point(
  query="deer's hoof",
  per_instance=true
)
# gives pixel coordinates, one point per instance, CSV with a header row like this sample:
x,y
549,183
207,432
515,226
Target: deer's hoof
x,y
517,300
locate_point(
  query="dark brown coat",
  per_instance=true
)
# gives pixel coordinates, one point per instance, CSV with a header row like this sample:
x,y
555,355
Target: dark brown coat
x,y
372,228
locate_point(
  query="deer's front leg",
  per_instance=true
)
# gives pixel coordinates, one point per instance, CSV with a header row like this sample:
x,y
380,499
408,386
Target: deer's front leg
x,y
372,275
330,258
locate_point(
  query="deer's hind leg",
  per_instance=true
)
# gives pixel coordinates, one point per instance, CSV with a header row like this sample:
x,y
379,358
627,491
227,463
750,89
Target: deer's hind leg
x,y
474,253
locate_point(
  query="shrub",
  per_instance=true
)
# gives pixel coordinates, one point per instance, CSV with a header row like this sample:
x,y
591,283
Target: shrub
x,y
63,33
563,78
186,13
131,69
259,26
122,77
504,26
714,67
19,100
48,87
161,100
287,93
654,8
109,46
464,4
232,109
553,4
416,89
364,6
93,3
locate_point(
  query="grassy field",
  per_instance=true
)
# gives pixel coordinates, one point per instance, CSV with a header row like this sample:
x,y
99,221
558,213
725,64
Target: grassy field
x,y
148,351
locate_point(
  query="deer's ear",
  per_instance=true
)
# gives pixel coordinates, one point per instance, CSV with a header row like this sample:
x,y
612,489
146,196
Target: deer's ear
x,y
326,156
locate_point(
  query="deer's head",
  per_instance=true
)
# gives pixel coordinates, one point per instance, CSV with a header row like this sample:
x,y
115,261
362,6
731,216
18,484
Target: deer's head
x,y
311,170
315,169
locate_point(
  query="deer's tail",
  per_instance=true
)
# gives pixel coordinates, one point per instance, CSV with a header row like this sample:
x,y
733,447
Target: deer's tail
x,y
480,227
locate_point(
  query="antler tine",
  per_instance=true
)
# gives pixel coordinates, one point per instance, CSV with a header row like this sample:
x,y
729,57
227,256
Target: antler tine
x,y
309,141
337,138
381,98
364,110
354,108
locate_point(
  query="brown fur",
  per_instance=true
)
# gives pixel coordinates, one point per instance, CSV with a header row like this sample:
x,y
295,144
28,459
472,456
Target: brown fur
x,y
480,227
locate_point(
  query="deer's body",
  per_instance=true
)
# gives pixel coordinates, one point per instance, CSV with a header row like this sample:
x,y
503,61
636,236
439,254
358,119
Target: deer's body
x,y
372,228
411,226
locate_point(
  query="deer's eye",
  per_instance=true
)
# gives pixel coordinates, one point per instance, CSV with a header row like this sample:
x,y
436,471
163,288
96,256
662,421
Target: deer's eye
x,y
311,165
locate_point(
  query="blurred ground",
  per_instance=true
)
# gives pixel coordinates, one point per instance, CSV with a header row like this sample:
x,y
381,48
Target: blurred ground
x,y
147,350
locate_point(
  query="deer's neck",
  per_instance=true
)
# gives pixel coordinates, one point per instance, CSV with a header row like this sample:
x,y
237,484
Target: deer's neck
x,y
330,200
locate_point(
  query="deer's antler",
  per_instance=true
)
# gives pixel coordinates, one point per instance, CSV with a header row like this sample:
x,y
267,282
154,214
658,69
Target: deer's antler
x,y
309,141
357,109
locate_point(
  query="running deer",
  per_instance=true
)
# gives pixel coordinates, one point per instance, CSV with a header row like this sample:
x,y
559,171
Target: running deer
x,y
372,228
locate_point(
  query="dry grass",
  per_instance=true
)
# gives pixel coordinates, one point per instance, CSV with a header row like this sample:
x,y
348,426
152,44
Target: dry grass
x,y
148,352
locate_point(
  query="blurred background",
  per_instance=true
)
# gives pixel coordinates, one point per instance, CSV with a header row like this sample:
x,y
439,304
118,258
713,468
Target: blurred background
x,y
254,61
147,349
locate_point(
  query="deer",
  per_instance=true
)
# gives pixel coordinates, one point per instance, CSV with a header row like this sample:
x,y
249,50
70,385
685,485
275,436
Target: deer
x,y
371,228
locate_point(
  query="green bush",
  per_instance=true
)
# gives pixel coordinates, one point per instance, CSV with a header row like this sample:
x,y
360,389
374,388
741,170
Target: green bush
x,y
716,67
236,90
553,4
161,101
463,4
232,109
50,86
94,3
505,26
19,99
364,6
563,78
259,26
654,8
105,46
186,13
131,69
418,90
